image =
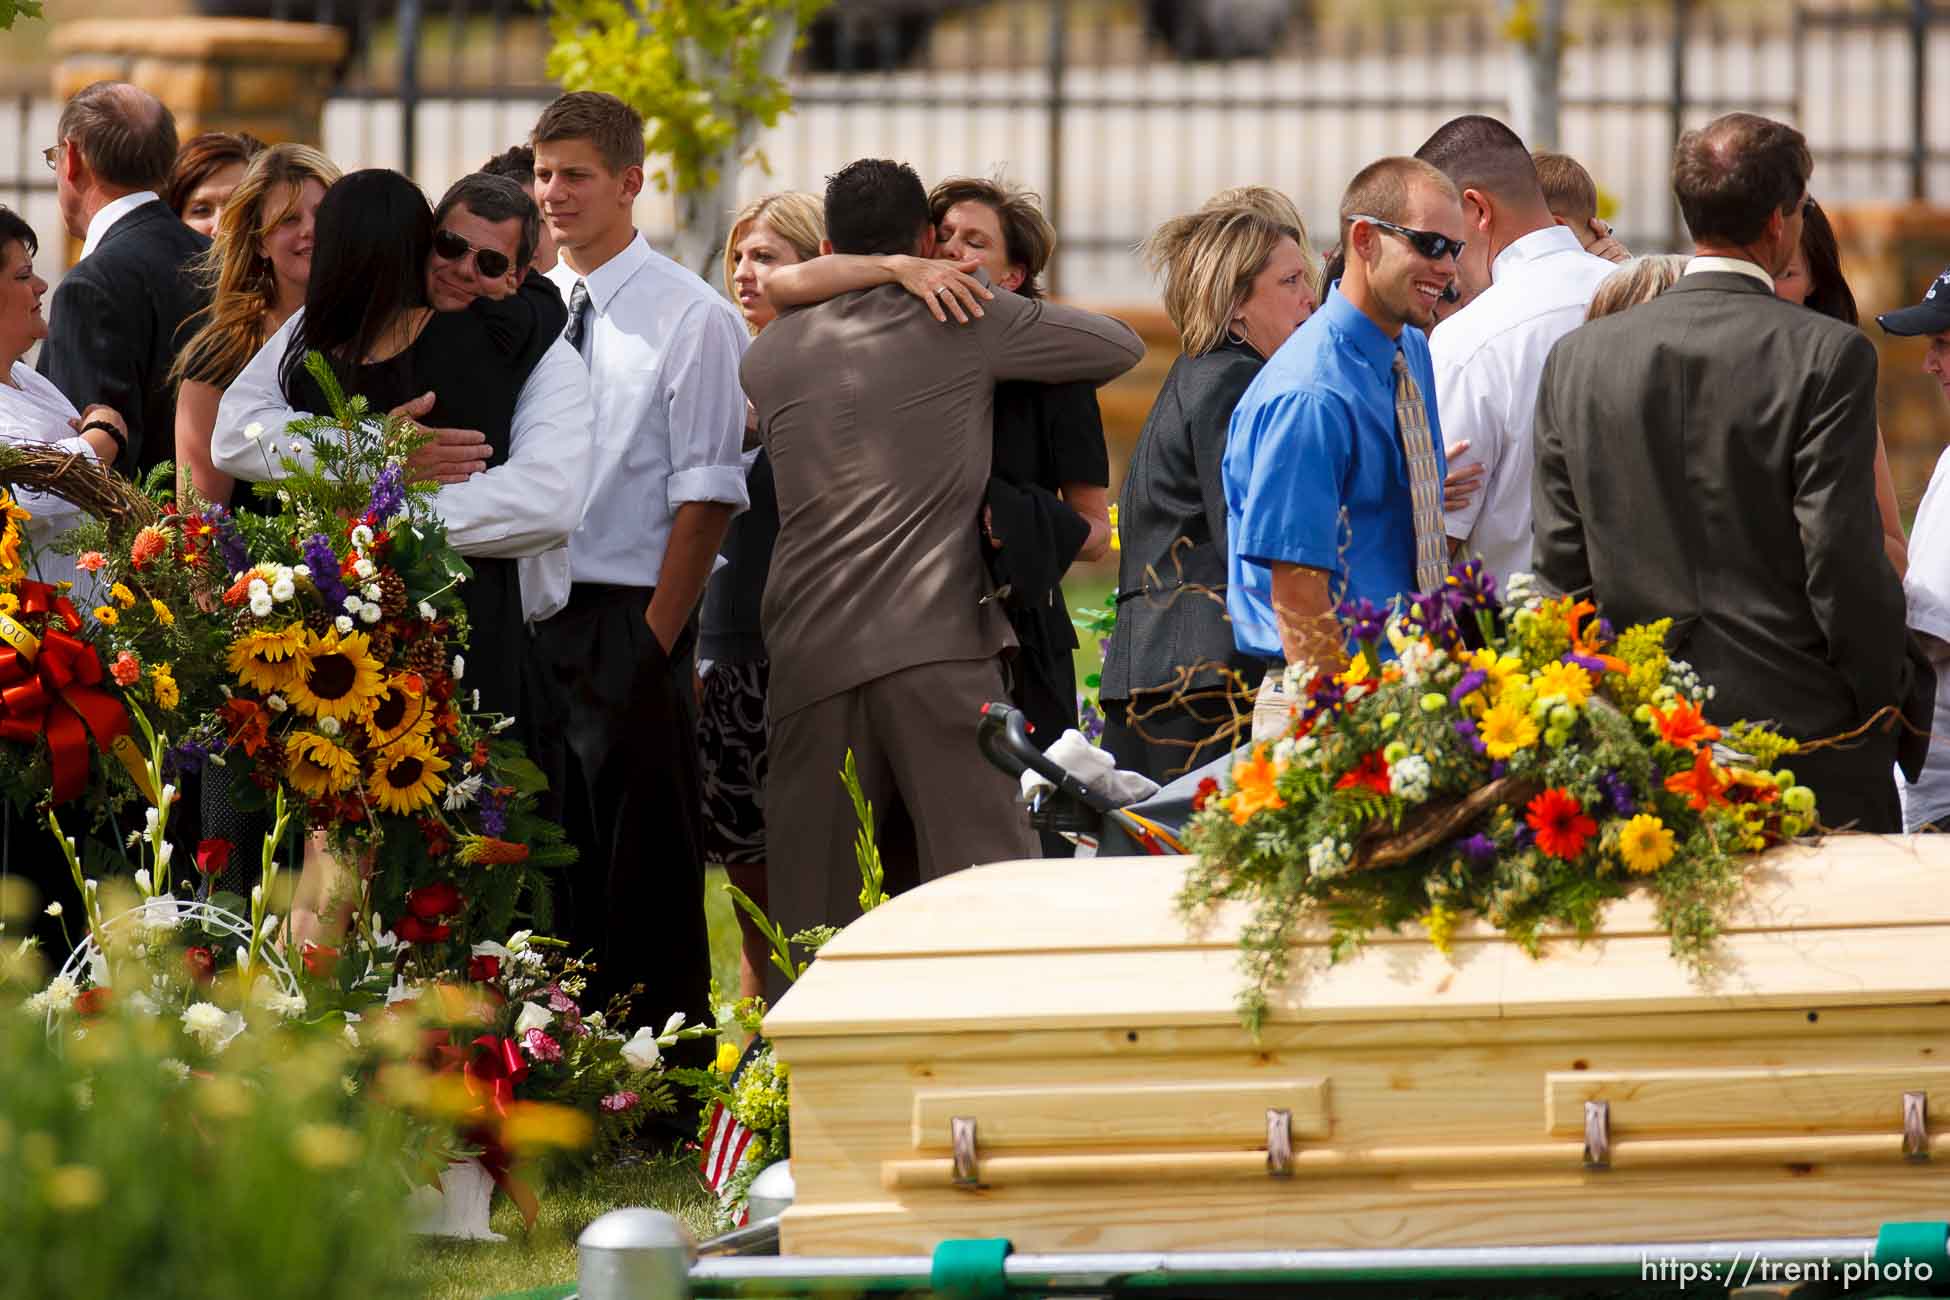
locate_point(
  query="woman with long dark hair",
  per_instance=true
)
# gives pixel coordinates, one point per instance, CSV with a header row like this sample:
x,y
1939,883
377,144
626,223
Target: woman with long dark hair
x,y
1814,279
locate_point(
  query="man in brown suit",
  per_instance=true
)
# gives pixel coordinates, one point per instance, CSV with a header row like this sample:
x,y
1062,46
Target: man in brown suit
x,y
878,421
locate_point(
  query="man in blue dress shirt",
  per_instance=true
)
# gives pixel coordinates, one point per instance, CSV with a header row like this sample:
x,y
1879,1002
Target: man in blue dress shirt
x,y
1334,463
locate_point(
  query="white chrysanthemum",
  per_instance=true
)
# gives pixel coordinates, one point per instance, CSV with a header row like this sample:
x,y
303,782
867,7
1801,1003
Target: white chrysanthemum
x,y
343,624
329,725
261,605
283,589
365,568
361,537
369,613
276,704
1409,778
371,591
211,1025
352,602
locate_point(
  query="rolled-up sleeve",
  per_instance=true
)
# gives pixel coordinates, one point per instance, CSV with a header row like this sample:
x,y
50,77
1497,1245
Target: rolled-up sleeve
x,y
256,399
707,409
1288,457
534,499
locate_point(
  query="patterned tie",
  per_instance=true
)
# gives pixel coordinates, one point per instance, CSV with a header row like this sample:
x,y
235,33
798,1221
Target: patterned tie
x,y
578,315
1424,480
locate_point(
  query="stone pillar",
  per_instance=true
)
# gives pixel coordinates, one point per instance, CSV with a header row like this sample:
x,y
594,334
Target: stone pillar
x,y
215,74
1890,254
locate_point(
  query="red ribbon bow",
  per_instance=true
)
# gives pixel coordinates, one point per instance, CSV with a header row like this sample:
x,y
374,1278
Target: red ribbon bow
x,y
55,691
497,1066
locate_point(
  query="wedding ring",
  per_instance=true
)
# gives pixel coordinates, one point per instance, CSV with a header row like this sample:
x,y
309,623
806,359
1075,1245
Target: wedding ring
x,y
944,288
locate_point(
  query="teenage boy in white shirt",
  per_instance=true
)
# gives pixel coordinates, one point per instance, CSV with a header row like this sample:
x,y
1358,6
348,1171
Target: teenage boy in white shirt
x,y
663,350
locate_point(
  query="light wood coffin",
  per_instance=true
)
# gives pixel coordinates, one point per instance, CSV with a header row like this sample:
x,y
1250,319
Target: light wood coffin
x,y
1066,1014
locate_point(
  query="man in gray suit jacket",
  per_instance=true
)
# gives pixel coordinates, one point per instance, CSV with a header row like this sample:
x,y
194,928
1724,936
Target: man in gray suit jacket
x,y
883,633
1709,456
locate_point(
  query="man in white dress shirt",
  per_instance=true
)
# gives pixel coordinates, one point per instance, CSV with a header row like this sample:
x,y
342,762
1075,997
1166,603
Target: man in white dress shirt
x,y
663,350
1526,283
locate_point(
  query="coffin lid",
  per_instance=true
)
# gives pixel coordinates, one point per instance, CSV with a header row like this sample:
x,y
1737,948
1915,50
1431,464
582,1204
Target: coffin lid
x,y
1854,921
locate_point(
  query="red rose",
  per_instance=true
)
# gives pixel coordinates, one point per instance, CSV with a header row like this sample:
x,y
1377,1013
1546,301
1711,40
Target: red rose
x,y
431,902
320,960
482,969
411,929
212,856
202,964
93,1002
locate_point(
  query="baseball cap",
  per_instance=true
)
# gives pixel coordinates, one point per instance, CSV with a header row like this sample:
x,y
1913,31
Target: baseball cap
x,y
1931,316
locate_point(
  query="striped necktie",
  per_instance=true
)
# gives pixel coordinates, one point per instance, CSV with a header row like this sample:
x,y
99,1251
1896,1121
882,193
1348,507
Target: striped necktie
x,y
578,315
1424,479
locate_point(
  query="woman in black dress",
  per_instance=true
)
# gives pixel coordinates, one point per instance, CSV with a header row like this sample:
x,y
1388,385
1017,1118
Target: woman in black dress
x,y
1238,282
366,310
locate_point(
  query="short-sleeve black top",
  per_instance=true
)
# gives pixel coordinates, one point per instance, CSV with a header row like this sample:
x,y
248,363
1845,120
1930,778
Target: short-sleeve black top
x,y
475,363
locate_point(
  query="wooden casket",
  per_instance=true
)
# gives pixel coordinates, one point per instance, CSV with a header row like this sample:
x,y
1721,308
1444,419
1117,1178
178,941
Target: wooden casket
x,y
1044,1051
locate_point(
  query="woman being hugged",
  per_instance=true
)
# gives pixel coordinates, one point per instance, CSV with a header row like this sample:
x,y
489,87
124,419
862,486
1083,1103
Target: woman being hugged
x,y
775,231
1238,282
258,266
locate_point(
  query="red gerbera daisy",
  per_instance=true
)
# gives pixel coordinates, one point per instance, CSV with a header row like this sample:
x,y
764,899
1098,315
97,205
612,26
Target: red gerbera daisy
x,y
1371,771
1560,823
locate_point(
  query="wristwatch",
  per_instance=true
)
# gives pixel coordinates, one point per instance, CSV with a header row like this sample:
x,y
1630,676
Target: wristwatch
x,y
120,439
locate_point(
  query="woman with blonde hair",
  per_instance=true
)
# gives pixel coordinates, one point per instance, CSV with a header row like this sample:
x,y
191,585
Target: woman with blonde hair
x,y
733,670
1238,283
1637,280
258,266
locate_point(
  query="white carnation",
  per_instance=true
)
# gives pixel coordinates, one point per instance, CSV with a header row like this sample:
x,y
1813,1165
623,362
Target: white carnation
x,y
261,605
352,603
369,613
365,568
371,591
283,589
343,624
329,725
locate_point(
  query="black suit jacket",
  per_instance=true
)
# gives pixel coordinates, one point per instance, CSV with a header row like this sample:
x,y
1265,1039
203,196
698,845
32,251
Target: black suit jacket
x,y
1710,456
1171,573
116,324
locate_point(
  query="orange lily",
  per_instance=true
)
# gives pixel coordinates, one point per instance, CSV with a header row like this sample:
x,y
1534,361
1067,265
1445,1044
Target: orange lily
x,y
1684,726
1252,785
1703,786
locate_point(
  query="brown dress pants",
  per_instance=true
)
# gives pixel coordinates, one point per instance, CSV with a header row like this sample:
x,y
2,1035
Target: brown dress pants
x,y
912,734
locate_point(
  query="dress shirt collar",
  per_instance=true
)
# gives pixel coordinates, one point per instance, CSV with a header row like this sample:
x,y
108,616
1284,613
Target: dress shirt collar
x,y
110,214
1366,337
1737,265
604,282
1548,242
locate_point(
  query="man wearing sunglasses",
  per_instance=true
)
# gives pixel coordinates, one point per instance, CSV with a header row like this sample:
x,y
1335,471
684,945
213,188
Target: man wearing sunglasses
x,y
1526,283
1333,465
1709,457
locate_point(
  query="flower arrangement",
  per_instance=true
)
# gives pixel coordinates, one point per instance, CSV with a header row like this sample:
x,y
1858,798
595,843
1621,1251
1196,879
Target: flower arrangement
x,y
1527,781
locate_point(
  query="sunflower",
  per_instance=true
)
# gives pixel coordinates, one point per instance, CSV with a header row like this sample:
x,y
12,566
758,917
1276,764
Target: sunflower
x,y
400,709
335,676
13,517
318,766
264,660
406,775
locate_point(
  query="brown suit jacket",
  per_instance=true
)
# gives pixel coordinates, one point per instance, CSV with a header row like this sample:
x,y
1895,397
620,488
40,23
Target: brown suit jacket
x,y
878,421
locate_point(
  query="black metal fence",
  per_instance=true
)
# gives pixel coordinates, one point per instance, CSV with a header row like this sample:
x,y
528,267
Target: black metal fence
x,y
1121,112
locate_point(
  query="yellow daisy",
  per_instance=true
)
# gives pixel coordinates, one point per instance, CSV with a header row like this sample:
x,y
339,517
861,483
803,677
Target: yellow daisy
x,y
406,775
9,603
1505,728
163,682
318,766
264,660
163,613
1500,672
1567,680
1645,844
335,676
122,596
106,616
402,707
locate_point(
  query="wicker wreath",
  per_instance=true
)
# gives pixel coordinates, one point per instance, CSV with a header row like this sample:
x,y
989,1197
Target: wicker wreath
x,y
84,482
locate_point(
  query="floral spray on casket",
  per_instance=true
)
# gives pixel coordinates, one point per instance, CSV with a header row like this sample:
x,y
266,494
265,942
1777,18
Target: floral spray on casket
x,y
1526,781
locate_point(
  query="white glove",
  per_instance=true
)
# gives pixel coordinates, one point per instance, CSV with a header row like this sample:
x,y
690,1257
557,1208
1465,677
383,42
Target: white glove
x,y
1095,768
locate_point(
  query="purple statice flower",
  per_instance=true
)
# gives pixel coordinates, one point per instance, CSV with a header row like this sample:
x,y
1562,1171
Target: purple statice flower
x,y
1473,585
1586,662
1466,728
1089,721
230,543
1618,793
324,565
388,495
1472,682
494,815
1365,623
1480,849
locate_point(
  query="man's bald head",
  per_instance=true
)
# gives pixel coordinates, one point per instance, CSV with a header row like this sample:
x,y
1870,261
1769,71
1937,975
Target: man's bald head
x,y
125,134
1734,173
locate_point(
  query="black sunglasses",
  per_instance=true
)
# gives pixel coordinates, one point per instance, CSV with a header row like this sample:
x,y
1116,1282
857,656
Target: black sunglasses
x,y
488,261
1426,242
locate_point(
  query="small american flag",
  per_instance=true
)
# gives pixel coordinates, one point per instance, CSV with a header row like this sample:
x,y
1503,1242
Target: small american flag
x,y
727,1143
